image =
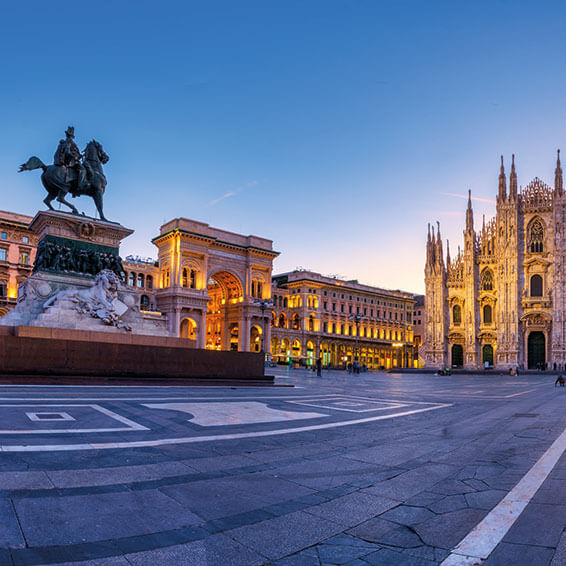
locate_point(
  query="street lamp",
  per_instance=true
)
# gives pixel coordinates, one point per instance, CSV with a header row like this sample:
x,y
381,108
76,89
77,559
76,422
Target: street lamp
x,y
357,319
263,304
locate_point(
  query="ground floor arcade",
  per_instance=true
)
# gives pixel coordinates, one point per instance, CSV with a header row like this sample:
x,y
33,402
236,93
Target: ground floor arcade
x,y
306,349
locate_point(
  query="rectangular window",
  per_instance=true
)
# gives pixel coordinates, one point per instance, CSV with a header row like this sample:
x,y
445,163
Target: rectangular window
x,y
24,258
3,235
365,311
25,240
341,308
350,309
325,305
3,254
325,327
333,306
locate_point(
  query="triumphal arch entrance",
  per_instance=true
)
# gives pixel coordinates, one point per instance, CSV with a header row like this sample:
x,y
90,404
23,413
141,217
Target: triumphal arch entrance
x,y
212,284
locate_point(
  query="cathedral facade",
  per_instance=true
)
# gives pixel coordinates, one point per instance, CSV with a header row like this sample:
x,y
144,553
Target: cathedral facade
x,y
501,301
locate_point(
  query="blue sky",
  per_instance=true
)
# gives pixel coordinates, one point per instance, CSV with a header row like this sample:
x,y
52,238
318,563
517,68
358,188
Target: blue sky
x,y
336,128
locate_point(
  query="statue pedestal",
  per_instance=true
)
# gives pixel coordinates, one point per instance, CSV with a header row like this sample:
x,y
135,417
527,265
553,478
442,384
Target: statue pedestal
x,y
72,244
75,281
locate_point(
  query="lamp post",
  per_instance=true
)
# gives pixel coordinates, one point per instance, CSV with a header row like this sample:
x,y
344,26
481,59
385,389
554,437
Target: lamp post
x,y
357,319
263,304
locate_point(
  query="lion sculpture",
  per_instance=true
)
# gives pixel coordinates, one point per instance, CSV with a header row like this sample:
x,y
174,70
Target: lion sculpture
x,y
100,301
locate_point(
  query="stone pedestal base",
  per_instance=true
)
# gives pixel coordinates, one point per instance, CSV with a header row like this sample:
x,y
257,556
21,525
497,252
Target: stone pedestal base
x,y
37,289
74,244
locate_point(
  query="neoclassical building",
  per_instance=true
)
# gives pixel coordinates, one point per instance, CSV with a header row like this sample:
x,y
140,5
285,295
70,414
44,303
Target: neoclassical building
x,y
501,301
318,316
212,284
17,254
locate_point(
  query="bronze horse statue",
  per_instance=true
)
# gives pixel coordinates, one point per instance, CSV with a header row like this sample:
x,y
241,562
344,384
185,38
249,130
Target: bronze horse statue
x,y
59,180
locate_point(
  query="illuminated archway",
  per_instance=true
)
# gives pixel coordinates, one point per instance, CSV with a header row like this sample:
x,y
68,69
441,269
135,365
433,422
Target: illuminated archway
x,y
255,338
225,294
188,329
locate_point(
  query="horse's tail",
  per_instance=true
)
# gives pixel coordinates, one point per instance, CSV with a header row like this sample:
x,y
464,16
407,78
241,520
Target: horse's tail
x,y
31,164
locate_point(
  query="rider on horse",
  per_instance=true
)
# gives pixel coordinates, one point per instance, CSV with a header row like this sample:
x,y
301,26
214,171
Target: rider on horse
x,y
68,155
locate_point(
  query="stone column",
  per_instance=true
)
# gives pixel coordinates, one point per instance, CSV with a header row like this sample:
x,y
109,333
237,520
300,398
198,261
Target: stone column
x,y
201,331
267,334
244,337
175,321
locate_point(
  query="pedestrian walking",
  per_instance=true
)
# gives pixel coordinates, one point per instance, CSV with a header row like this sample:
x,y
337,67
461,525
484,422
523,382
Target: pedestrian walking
x,y
319,367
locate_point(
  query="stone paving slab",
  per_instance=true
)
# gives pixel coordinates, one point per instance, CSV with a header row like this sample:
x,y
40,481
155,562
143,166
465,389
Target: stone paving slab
x,y
272,538
402,490
68,520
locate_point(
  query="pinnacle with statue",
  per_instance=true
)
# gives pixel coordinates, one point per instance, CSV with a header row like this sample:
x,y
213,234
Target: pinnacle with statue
x,y
75,172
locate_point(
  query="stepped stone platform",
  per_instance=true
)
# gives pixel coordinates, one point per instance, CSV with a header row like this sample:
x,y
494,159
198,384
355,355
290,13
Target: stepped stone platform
x,y
93,357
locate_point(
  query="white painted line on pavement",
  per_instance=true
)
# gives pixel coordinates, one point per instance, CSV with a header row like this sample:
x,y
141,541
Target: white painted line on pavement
x,y
130,425
482,540
193,439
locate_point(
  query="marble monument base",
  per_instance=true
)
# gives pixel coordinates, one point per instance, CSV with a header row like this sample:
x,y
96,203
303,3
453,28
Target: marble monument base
x,y
75,282
54,355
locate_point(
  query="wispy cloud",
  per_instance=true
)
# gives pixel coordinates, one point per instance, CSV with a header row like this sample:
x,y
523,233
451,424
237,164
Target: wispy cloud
x,y
478,199
233,193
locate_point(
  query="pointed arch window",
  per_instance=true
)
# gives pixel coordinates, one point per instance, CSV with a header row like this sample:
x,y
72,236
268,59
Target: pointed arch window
x,y
487,280
536,237
457,315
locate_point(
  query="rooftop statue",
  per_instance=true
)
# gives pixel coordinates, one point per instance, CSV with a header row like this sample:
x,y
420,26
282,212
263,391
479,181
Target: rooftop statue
x,y
72,172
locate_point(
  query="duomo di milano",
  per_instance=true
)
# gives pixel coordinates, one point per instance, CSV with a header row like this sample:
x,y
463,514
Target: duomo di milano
x,y
502,299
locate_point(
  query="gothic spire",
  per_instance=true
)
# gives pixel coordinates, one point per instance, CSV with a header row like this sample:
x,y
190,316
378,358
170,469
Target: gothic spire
x,y
439,253
558,176
513,180
432,247
502,182
469,213
447,253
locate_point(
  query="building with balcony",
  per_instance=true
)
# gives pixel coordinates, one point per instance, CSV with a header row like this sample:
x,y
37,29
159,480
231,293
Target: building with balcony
x,y
340,321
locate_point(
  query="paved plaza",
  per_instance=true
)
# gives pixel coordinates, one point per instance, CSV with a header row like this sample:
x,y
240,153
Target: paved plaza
x,y
370,469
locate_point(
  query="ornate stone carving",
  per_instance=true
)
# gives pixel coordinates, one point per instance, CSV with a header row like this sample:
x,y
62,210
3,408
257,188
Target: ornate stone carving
x,y
99,301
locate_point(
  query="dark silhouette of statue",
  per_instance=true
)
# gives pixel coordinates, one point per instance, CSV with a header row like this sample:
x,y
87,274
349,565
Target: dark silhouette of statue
x,y
72,173
69,155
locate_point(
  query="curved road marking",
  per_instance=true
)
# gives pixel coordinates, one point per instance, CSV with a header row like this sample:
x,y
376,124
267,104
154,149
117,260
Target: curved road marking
x,y
192,439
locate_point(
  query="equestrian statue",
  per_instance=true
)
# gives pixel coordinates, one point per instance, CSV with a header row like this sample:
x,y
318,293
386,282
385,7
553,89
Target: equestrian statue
x,y
72,172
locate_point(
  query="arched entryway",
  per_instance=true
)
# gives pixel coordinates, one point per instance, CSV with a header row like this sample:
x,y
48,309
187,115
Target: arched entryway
x,y
487,354
255,338
225,294
234,336
536,350
188,329
457,356
310,353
